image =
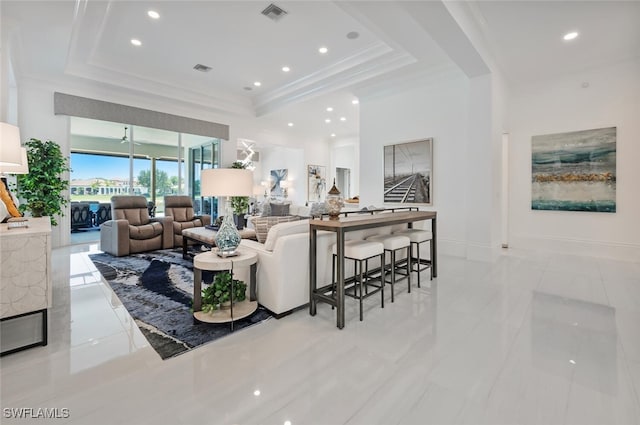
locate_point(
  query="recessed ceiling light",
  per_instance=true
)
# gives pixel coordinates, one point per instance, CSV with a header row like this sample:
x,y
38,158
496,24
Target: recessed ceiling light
x,y
355,101
136,42
256,393
343,119
153,14
257,83
570,36
329,109
323,50
286,69
327,120
290,124
333,134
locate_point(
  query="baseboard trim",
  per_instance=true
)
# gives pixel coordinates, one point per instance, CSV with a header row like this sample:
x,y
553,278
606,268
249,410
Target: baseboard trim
x,y
604,249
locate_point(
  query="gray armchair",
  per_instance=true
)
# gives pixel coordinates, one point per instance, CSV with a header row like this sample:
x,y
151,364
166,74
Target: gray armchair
x,y
181,209
132,230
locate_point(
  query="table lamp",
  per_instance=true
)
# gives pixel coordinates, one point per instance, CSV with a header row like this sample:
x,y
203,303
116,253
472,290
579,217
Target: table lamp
x,y
227,182
10,153
22,168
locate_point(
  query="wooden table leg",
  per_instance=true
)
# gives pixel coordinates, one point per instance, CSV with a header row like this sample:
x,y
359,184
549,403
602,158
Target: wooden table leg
x,y
185,244
197,289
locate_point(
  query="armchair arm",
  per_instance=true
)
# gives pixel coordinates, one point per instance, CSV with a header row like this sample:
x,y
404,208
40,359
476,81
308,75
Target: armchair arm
x,y
114,237
206,219
167,230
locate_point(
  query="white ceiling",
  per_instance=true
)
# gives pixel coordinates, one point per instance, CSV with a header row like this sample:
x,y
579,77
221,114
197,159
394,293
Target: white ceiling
x,y
398,44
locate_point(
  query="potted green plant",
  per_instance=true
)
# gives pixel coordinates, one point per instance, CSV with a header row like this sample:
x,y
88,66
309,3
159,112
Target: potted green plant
x,y
218,294
42,188
239,204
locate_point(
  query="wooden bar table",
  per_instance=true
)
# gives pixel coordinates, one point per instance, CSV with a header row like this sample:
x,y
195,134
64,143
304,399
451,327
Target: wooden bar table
x,y
351,223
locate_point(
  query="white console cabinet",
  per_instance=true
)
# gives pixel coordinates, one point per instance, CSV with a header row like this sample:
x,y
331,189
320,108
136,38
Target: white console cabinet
x,y
25,285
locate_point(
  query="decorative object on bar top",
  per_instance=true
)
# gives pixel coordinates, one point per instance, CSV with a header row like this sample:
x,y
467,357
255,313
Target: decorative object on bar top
x,y
227,182
334,202
285,185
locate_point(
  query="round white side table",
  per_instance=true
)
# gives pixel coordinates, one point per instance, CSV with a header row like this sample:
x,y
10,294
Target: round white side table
x,y
212,262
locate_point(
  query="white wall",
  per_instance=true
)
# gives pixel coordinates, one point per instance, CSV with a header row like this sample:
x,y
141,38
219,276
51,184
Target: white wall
x,y
36,120
562,105
439,110
345,153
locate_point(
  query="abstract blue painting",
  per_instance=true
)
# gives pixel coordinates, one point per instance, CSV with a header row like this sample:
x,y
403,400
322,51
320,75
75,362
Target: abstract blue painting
x,y
574,171
278,176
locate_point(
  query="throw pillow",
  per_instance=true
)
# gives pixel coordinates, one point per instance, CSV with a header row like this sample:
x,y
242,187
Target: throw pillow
x,y
317,209
262,225
5,196
266,209
279,210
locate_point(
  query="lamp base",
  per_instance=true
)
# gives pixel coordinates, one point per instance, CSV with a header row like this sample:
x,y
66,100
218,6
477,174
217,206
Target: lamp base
x,y
225,254
227,238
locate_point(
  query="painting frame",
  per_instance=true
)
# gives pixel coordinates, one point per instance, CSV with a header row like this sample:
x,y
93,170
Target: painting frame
x,y
316,183
574,171
275,177
408,173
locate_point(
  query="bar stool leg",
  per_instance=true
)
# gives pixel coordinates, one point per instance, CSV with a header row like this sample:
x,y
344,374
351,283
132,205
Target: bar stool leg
x,y
382,278
359,267
419,262
393,273
409,267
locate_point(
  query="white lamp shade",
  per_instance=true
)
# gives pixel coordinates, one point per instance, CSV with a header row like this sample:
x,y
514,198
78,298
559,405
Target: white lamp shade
x,y
10,145
23,168
258,190
226,182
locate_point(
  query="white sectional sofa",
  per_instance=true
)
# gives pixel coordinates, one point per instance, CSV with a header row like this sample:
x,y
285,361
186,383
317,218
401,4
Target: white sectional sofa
x,y
283,263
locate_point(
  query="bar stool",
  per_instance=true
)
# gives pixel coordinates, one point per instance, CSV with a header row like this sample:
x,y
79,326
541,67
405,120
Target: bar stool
x,y
360,252
392,244
417,237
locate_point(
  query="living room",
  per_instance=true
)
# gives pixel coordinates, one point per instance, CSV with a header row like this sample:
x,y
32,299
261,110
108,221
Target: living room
x,y
481,91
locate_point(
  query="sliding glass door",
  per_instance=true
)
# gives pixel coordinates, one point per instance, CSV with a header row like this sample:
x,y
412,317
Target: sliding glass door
x,y
119,159
204,156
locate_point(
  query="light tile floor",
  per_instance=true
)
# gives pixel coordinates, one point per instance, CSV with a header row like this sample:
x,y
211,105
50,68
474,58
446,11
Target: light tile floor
x,y
533,338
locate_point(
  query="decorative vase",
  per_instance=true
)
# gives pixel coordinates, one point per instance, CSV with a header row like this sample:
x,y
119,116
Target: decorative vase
x,y
334,202
227,239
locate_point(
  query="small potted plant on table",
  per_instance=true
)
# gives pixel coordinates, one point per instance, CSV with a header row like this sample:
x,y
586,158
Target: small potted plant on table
x,y
218,294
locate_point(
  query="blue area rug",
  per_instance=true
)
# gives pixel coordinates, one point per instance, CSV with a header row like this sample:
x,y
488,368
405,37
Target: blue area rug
x,y
156,288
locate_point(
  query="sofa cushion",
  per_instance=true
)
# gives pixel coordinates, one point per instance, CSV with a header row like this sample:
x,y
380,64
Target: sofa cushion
x,y
146,231
135,216
279,210
263,224
317,209
300,210
181,213
282,229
